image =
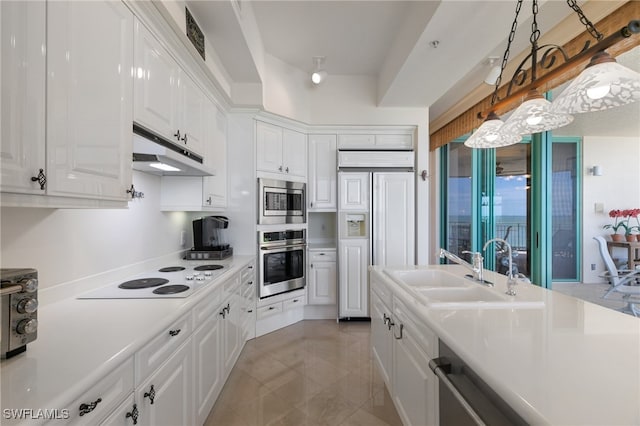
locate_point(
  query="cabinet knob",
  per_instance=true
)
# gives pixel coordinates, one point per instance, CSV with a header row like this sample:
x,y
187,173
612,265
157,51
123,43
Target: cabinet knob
x,y
41,179
151,394
87,408
311,204
279,168
133,414
311,266
209,200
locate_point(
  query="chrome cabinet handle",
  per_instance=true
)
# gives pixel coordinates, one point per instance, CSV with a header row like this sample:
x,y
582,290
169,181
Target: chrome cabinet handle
x,y
87,408
394,332
133,414
151,394
173,333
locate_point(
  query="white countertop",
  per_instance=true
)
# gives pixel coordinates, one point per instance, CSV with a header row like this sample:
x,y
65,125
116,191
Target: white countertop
x,y
570,362
80,341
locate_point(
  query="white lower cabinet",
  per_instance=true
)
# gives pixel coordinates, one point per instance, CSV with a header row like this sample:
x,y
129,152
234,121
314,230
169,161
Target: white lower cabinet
x,y
402,347
322,279
127,413
166,398
206,352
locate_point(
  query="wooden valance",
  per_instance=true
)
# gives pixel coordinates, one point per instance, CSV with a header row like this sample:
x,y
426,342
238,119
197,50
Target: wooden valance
x,y
469,120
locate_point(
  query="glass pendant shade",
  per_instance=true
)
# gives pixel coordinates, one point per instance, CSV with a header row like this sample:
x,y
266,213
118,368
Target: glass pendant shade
x,y
490,134
603,84
535,116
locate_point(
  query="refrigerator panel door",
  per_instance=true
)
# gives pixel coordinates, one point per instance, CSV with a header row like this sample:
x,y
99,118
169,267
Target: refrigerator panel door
x,y
393,221
354,191
354,280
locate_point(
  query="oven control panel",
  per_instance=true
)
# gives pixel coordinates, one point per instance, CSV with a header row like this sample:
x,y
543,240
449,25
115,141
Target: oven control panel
x,y
19,290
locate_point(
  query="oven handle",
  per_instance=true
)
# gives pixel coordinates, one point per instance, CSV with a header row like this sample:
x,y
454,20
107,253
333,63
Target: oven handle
x,y
440,367
288,247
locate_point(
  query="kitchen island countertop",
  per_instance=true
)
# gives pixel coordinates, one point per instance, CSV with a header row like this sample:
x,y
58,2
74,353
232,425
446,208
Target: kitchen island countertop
x,y
567,362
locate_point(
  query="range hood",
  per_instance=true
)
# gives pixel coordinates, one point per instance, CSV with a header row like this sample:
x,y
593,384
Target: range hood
x,y
154,154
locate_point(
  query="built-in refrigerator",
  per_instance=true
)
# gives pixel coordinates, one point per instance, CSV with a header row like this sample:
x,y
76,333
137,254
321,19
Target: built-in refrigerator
x,y
376,214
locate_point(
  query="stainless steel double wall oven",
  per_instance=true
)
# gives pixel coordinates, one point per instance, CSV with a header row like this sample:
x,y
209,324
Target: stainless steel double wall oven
x,y
282,261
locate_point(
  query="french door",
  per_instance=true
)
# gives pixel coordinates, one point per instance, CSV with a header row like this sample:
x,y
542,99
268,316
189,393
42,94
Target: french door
x,y
527,194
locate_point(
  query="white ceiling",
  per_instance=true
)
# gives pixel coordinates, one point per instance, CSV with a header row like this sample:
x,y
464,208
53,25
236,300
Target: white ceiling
x,y
389,40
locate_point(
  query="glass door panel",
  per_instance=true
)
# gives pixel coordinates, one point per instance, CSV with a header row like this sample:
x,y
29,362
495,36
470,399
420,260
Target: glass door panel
x,y
458,207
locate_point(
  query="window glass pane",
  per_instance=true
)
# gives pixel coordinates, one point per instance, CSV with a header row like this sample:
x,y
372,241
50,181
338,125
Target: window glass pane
x,y
459,209
564,211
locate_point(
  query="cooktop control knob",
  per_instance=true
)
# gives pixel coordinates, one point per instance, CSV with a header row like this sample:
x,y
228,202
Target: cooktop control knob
x,y
29,285
27,326
27,306
189,278
208,273
200,278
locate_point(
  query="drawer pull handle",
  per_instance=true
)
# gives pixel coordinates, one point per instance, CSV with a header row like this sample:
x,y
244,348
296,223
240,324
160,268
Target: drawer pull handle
x,y
250,311
250,267
87,408
133,414
394,332
271,308
223,313
177,134
174,333
151,394
250,283
295,300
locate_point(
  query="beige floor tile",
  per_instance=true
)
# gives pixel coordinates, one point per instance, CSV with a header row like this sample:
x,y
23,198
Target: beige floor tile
x,y
313,373
363,418
327,408
382,407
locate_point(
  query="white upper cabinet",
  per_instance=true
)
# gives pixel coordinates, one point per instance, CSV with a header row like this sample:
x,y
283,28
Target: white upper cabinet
x,y
22,79
384,141
167,101
89,99
294,156
281,151
322,187
354,191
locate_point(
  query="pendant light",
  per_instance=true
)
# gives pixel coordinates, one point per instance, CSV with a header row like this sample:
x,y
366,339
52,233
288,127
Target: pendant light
x,y
603,84
319,74
491,134
535,116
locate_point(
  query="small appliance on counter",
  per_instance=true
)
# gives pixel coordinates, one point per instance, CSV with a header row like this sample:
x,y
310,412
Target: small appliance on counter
x,y
210,240
19,291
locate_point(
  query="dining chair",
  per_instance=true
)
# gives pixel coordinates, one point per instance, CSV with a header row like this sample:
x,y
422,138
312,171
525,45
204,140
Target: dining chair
x,y
622,281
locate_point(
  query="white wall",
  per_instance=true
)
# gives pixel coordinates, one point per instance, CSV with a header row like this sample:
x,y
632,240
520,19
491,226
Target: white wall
x,y
617,188
65,245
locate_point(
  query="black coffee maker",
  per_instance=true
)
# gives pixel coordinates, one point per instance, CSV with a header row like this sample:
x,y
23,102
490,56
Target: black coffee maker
x,y
210,238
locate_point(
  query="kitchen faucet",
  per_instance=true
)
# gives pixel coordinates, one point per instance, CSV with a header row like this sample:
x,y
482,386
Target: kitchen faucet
x,y
476,267
511,280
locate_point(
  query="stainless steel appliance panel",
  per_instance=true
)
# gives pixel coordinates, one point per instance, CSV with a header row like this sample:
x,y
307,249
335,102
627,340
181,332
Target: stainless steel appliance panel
x,y
282,261
19,291
281,202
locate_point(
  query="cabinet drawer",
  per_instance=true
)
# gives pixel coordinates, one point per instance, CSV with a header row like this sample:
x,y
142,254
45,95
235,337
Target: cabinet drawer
x,y
294,303
394,142
160,348
95,404
230,286
356,141
249,272
422,334
206,308
268,310
322,256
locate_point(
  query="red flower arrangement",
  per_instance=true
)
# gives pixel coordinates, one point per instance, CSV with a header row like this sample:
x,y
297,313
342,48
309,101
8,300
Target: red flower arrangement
x,y
622,219
617,224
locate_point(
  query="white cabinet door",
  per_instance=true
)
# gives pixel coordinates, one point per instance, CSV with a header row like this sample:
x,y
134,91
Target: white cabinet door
x,y
381,339
208,365
269,147
191,118
322,189
215,187
414,385
354,191
354,291
231,327
89,99
322,283
156,85
294,153
393,219
166,398
22,80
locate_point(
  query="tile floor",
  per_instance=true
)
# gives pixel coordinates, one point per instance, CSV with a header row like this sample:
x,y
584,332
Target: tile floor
x,y
315,372
320,373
